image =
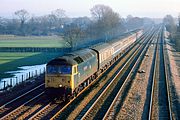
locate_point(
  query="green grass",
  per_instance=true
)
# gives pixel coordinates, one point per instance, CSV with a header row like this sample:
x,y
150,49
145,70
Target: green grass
x,y
11,61
32,41
9,56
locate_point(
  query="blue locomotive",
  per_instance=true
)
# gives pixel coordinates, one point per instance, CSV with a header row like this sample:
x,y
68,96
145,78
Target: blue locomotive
x,y
66,76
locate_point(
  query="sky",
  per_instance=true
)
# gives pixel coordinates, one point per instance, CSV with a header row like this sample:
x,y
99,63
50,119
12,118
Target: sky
x,y
80,8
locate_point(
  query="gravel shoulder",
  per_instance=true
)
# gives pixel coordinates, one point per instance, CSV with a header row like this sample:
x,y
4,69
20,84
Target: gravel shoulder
x,y
174,82
174,58
134,102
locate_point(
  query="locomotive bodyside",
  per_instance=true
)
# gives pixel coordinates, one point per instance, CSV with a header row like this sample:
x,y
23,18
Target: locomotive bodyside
x,y
86,67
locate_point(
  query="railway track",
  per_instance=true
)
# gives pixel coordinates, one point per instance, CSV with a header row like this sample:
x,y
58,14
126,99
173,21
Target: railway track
x,y
18,101
160,104
48,111
101,105
63,113
21,111
20,89
116,105
39,107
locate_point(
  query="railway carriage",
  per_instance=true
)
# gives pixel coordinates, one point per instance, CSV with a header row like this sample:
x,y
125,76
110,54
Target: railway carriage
x,y
139,33
122,43
104,53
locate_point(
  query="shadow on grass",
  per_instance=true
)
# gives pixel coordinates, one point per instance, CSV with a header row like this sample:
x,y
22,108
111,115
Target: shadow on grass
x,y
41,58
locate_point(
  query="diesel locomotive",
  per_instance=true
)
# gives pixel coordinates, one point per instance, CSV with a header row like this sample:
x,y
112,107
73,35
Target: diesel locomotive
x,y
66,76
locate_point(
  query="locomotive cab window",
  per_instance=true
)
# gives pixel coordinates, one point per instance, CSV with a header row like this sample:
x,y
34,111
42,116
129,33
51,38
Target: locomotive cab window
x,y
63,69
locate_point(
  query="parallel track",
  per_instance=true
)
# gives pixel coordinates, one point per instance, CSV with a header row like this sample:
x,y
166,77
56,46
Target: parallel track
x,y
18,101
17,113
98,110
160,104
116,104
47,111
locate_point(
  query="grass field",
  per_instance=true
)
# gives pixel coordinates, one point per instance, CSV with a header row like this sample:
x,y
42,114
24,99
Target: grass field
x,y
9,57
32,41
11,61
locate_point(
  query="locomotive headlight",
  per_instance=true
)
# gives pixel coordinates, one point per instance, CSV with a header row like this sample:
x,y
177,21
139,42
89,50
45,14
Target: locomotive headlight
x,y
60,85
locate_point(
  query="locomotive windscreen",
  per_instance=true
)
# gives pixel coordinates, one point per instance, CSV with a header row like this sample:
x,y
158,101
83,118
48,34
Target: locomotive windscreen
x,y
63,69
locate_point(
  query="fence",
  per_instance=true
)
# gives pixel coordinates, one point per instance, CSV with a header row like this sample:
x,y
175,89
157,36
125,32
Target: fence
x,y
33,49
21,77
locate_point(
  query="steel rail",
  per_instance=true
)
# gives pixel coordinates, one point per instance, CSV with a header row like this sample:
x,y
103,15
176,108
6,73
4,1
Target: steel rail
x,y
21,96
166,81
152,89
92,106
11,113
113,104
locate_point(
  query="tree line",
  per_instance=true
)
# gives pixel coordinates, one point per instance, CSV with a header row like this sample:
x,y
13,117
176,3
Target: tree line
x,y
104,23
174,29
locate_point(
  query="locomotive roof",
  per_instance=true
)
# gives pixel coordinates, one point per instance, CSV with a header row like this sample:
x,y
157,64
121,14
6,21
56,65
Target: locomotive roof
x,y
64,60
82,55
73,58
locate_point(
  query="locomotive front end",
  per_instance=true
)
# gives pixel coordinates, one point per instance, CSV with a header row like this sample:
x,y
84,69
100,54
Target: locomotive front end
x,y
58,79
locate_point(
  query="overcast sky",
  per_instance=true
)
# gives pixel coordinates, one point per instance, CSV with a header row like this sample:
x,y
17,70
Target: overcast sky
x,y
77,8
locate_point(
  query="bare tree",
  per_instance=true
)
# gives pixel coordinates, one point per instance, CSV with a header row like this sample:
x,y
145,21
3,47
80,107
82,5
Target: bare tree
x,y
134,23
177,35
129,17
106,20
73,34
23,15
179,23
170,23
98,11
60,15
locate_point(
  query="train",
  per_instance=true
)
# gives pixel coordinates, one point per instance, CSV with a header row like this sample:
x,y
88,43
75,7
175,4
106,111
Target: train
x,y
67,75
